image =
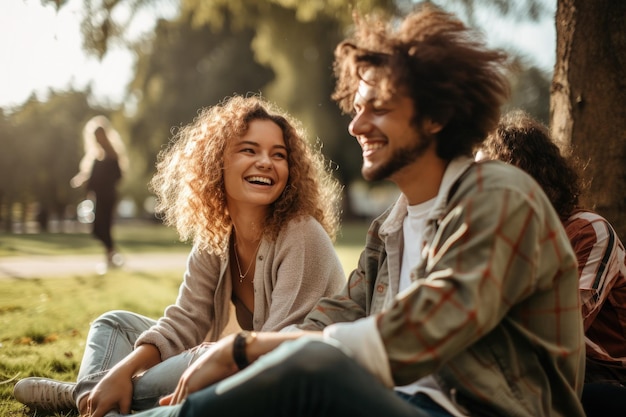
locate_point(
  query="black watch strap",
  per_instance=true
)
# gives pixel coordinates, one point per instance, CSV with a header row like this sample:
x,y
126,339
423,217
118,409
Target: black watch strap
x,y
239,348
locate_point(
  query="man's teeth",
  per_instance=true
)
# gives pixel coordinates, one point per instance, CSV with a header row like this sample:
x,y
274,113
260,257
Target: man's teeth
x,y
261,180
373,146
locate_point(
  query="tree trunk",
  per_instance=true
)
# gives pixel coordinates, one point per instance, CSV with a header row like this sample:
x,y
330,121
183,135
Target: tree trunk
x,y
588,99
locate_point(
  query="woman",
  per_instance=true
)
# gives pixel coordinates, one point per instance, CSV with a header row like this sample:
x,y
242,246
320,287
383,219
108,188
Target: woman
x,y
101,169
261,209
524,142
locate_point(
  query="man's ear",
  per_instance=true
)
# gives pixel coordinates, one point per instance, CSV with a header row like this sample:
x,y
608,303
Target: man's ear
x,y
431,126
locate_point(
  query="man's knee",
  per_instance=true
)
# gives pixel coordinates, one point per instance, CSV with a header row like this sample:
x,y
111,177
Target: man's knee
x,y
317,359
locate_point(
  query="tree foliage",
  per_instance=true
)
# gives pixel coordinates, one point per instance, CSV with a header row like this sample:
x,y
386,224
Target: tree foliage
x,y
41,148
183,69
281,48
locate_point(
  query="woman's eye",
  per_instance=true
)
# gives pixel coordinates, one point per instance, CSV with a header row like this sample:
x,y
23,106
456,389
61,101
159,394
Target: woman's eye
x,y
247,150
280,155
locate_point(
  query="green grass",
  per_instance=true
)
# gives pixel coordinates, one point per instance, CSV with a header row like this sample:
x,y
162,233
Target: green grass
x,y
44,322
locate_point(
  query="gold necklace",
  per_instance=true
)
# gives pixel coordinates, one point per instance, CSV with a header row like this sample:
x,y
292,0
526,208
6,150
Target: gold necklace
x,y
242,276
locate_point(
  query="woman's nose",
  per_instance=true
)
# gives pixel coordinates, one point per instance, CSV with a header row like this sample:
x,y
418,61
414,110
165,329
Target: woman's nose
x,y
264,161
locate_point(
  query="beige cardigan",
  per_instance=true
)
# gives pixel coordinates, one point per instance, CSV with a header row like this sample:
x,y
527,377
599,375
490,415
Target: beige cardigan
x,y
291,274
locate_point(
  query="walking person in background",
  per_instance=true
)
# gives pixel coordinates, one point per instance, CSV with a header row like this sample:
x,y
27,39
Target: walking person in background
x,y
465,298
101,169
261,207
524,142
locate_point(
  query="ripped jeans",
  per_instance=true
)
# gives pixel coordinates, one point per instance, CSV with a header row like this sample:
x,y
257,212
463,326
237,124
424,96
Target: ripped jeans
x,y
111,338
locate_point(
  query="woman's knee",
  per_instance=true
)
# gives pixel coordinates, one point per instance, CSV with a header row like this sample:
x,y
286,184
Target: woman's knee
x,y
121,319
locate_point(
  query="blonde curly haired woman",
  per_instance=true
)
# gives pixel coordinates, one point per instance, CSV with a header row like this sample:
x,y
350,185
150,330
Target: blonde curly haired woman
x,y
261,207
100,170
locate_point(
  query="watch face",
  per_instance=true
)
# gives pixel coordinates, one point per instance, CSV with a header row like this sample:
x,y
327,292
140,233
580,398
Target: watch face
x,y
250,337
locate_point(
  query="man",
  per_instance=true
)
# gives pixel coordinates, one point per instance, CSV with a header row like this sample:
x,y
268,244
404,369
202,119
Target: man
x,y
465,296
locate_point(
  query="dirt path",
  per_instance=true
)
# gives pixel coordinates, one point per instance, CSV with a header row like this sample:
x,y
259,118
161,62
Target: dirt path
x,y
34,267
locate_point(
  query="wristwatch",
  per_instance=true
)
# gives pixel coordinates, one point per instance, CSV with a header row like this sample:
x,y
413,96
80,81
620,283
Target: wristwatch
x,y
242,340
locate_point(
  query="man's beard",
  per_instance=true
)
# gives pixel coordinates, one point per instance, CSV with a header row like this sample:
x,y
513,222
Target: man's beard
x,y
400,158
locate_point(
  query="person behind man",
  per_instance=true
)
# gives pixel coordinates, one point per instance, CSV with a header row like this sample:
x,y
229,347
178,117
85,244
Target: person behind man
x,y
465,298
524,142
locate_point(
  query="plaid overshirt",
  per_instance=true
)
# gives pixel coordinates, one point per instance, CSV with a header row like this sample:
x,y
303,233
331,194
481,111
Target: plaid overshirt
x,y
493,312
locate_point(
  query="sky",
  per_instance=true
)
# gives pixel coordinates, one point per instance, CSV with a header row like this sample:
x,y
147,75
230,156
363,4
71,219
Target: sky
x,y
40,50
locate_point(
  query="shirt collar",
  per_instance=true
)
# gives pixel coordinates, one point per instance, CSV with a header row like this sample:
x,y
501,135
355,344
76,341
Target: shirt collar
x,y
453,172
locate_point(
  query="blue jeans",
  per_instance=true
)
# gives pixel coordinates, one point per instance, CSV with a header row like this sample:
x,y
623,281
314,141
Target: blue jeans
x,y
301,378
111,338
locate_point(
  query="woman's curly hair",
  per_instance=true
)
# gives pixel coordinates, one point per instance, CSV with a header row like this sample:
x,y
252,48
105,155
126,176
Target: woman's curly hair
x,y
189,182
442,65
524,142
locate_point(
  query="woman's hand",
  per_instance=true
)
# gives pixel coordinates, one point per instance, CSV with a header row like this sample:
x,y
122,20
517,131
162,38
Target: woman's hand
x,y
213,366
78,180
113,392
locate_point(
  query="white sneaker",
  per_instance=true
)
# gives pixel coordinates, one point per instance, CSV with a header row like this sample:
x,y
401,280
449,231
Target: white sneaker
x,y
102,268
45,394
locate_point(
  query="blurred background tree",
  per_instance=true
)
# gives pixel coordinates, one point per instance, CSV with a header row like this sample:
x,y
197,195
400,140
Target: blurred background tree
x,y
183,68
213,49
41,147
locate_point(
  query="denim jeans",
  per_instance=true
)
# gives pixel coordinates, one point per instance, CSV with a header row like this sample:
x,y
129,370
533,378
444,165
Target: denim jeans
x,y
301,378
111,338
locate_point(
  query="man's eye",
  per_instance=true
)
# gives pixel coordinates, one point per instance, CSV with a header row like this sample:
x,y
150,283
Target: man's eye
x,y
379,110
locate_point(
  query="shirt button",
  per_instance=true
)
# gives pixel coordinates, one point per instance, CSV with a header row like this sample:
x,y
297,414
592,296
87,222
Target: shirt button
x,y
260,257
380,288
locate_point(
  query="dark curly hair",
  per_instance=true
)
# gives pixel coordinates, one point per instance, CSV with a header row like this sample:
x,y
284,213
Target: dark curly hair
x,y
453,79
524,142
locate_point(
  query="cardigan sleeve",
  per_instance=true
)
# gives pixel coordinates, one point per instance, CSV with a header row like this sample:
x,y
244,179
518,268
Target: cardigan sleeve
x,y
354,300
186,322
302,268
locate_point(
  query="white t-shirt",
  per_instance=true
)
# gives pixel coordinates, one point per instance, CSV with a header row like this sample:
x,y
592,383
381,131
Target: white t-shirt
x,y
413,230
362,338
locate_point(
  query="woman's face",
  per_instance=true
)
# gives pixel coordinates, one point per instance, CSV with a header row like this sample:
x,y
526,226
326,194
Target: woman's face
x,y
255,166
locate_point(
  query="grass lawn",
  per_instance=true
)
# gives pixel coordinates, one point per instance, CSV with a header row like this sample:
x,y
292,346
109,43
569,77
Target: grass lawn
x,y
44,322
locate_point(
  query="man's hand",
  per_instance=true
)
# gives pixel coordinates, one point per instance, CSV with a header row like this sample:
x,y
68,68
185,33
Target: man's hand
x,y
213,366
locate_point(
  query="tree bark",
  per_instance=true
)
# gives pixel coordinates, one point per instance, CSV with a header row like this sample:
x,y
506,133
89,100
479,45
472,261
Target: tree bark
x,y
588,100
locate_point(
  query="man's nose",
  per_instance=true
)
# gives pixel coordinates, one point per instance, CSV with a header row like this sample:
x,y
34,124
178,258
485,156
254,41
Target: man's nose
x,y
359,125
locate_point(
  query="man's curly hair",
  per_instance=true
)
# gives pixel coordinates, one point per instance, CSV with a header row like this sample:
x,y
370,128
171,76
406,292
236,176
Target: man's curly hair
x,y
189,182
442,65
524,142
